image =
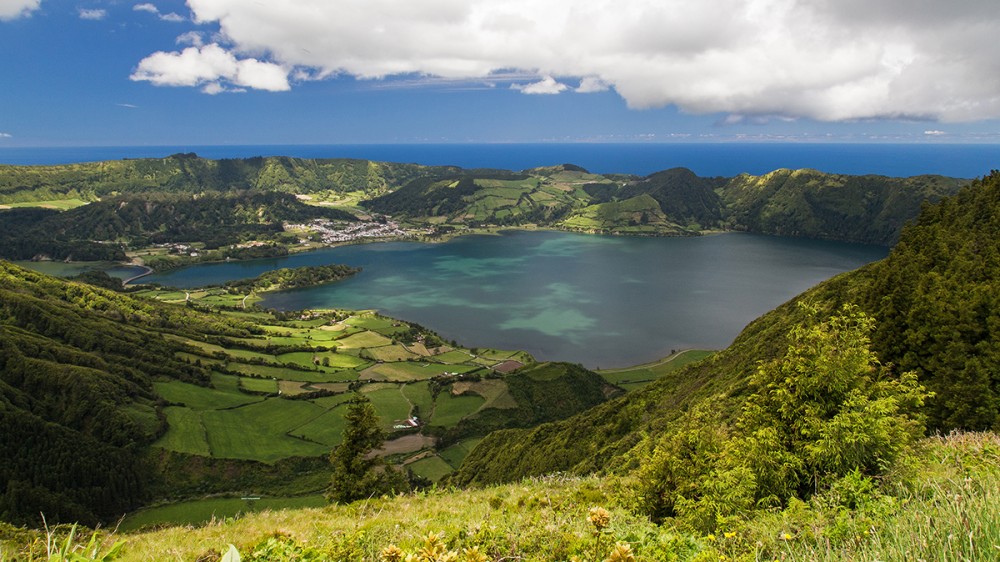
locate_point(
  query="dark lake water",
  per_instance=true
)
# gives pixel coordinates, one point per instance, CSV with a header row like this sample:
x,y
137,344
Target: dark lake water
x,y
597,300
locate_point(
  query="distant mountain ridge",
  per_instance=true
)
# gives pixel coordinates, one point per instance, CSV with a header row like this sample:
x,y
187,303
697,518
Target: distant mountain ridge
x,y
806,203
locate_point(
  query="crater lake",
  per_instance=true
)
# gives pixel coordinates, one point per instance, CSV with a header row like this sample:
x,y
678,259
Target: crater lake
x,y
602,301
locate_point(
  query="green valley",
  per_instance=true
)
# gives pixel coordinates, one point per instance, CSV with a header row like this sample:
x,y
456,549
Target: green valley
x,y
853,422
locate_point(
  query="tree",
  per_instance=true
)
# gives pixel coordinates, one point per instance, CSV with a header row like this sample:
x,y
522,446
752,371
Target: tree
x,y
357,473
825,410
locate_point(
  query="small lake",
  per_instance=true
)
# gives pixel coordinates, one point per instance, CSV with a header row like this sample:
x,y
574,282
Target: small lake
x,y
602,301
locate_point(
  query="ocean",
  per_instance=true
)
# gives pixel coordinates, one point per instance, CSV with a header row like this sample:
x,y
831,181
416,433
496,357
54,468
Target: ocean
x,y
722,159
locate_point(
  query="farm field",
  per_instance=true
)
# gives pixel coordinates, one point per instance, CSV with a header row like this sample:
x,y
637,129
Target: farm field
x,y
281,391
280,394
634,378
197,512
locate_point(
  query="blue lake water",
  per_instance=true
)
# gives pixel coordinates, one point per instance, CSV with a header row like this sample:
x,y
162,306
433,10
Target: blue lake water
x,y
597,300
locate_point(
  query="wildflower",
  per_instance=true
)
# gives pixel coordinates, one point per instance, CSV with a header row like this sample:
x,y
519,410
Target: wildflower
x,y
621,553
599,517
473,555
433,549
729,535
786,537
392,553
710,538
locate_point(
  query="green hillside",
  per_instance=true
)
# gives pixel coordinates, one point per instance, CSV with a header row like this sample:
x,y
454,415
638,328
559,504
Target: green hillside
x,y
101,230
109,400
134,204
933,301
869,209
189,173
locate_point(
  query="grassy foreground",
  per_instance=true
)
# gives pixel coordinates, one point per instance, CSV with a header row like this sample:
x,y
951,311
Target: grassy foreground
x,y
941,507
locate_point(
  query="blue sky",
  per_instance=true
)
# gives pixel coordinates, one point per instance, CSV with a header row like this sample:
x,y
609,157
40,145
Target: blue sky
x,y
204,72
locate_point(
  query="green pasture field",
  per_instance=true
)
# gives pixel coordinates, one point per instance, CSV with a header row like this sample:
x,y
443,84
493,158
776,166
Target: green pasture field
x,y
165,296
455,454
144,415
329,375
327,429
419,394
201,398
336,360
390,353
258,431
412,371
454,356
250,355
370,322
186,433
503,354
390,404
449,410
259,385
519,185
311,323
328,402
633,378
494,391
431,467
363,339
197,512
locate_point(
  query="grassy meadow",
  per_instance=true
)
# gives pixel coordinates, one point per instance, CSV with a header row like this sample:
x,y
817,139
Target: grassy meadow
x,y
940,507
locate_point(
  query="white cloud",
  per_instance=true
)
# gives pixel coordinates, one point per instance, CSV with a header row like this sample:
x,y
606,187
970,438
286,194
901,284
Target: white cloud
x,y
191,38
935,133
13,9
212,68
127,105
6,136
151,8
592,84
95,14
824,59
546,85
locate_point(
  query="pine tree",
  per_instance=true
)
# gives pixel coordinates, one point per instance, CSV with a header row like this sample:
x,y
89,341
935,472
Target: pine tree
x,y
357,473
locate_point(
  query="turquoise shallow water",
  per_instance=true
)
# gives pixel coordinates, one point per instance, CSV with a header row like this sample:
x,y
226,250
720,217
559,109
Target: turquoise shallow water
x,y
597,300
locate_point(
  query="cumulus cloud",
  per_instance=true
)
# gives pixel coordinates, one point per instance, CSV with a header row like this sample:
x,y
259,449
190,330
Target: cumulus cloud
x,y
823,59
95,14
212,68
12,9
546,85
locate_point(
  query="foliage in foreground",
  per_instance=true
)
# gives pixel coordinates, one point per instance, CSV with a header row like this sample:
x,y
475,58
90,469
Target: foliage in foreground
x,y
940,506
824,415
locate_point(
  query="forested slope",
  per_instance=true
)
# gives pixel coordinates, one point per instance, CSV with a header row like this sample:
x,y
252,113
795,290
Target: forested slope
x,y
189,173
936,308
100,230
76,395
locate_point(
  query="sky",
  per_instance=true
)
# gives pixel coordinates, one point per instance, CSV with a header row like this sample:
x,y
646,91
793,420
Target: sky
x,y
218,72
